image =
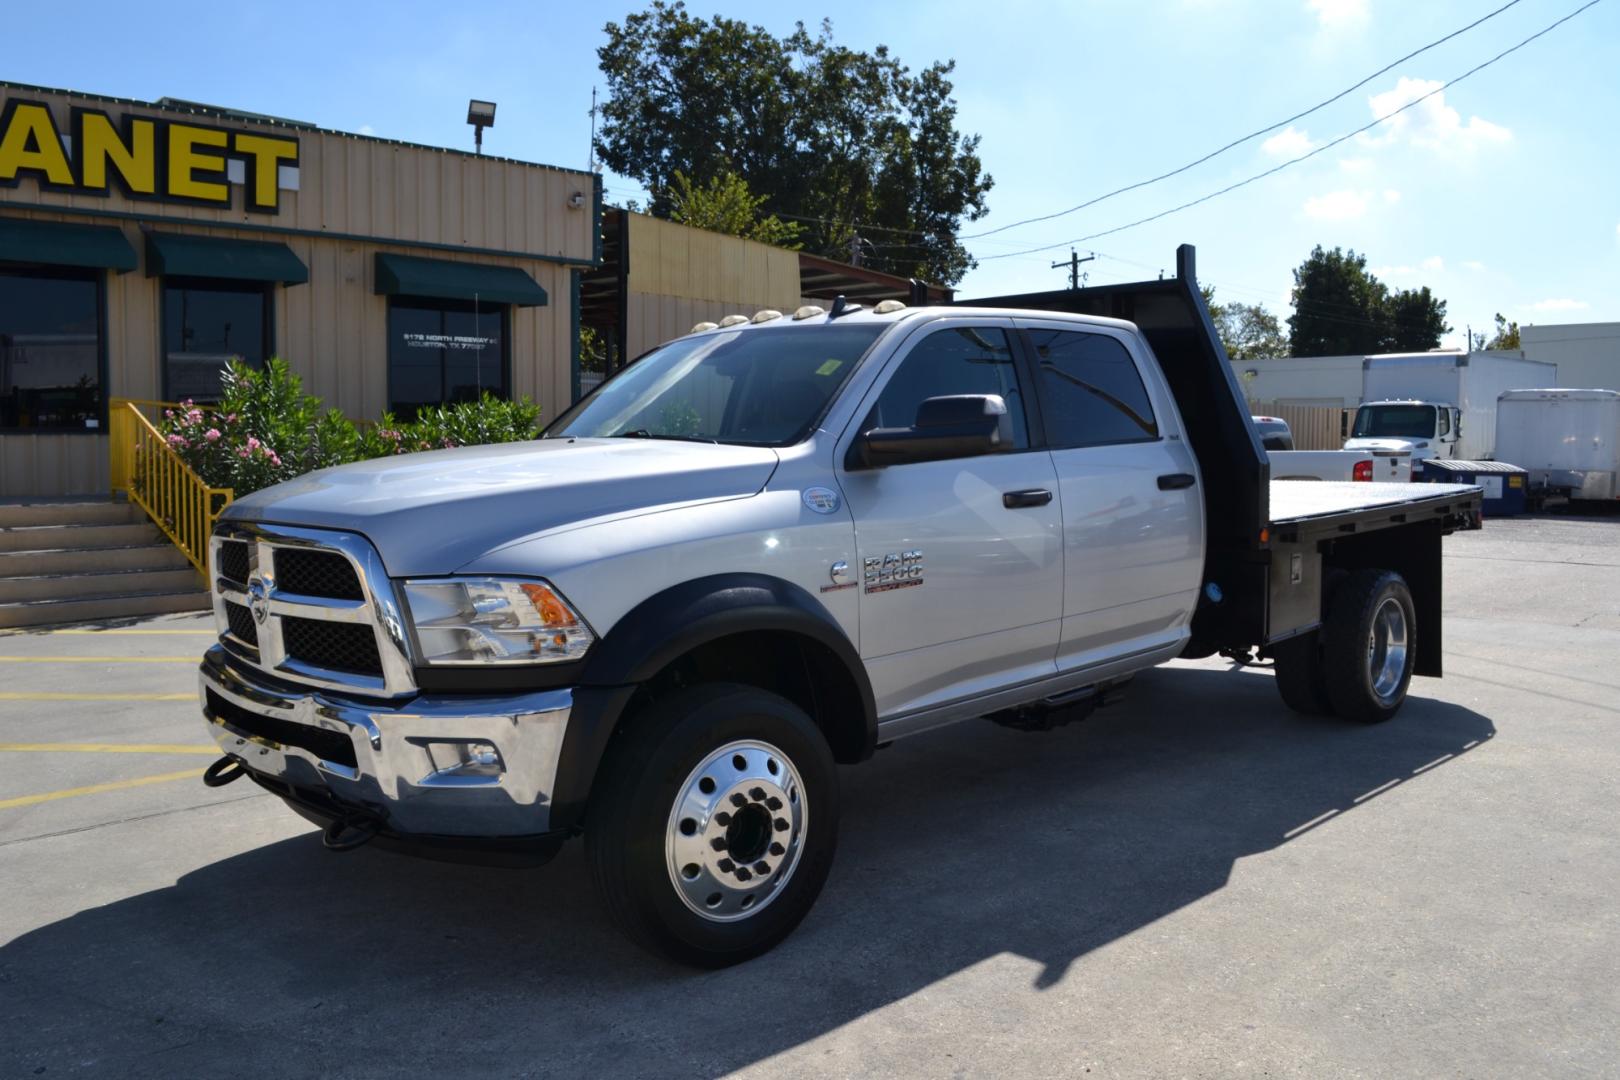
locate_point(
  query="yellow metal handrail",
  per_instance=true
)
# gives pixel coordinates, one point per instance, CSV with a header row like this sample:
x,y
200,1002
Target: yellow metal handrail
x,y
159,481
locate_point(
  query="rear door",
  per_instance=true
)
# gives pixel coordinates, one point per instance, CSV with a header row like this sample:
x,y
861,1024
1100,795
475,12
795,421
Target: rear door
x,y
1133,523
960,567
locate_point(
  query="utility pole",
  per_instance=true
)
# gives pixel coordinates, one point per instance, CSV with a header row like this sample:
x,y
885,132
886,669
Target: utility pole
x,y
1073,263
591,159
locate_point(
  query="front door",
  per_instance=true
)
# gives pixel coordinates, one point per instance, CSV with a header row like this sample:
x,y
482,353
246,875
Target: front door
x,y
961,586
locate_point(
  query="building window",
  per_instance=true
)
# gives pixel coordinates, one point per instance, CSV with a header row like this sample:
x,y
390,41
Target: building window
x,y
442,351
51,370
206,324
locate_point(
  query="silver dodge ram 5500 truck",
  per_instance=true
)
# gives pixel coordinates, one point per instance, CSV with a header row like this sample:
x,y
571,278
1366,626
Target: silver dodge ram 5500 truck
x,y
764,549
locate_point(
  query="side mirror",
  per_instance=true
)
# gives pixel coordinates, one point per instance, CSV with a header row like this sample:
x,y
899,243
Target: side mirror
x,y
955,426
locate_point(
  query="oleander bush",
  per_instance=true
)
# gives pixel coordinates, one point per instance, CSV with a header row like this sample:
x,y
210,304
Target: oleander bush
x,y
265,429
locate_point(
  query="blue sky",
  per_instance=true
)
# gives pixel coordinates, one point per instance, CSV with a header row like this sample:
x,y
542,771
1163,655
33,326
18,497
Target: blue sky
x,y
1502,194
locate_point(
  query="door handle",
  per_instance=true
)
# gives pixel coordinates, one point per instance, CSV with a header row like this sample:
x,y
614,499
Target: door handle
x,y
1014,500
1176,481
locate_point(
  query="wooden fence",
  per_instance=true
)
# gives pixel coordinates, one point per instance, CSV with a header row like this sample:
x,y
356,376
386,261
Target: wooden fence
x,y
1315,427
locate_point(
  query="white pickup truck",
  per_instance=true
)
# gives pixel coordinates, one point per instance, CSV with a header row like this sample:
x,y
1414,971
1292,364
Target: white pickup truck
x,y
1387,466
771,547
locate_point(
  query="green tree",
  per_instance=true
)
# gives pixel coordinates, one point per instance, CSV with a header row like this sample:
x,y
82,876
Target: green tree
x,y
854,145
1248,331
1340,309
725,205
1507,335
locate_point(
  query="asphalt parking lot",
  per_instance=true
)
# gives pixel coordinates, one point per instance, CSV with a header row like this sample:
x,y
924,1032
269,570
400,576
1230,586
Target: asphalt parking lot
x,y
1193,883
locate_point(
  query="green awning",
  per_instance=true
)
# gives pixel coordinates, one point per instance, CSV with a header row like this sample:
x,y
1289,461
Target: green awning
x,y
440,279
59,244
221,257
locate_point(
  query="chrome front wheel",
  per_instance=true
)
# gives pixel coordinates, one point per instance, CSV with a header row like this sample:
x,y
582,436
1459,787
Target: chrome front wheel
x,y
736,831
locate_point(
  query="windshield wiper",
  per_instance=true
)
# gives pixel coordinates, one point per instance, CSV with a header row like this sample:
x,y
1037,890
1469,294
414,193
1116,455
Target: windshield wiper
x,y
643,433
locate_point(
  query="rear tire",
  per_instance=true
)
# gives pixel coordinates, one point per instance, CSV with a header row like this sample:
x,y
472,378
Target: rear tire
x,y
1298,667
714,823
1369,646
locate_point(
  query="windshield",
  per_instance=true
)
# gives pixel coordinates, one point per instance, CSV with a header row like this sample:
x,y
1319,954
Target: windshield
x,y
765,387
1374,421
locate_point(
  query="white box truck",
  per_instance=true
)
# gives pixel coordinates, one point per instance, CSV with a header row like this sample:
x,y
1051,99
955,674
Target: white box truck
x,y
1569,440
1439,404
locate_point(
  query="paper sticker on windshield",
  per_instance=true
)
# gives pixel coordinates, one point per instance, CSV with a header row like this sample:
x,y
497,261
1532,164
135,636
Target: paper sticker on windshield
x,y
829,367
821,500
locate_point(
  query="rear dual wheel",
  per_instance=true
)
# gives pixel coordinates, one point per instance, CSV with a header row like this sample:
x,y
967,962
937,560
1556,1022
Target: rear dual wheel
x,y
714,826
1358,666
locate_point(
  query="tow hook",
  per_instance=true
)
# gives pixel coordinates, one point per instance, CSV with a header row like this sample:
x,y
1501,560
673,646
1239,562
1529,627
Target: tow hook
x,y
223,771
350,831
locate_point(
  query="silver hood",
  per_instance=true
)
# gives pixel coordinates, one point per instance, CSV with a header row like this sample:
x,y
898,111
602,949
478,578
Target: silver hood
x,y
435,512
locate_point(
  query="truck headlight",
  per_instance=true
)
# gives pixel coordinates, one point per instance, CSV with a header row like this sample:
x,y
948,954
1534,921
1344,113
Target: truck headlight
x,y
494,621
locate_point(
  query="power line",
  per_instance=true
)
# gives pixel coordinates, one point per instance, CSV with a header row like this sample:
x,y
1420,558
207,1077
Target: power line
x,y
1251,135
1295,161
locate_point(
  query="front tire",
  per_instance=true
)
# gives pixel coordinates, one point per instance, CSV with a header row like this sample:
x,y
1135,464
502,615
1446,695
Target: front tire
x,y
714,824
1369,646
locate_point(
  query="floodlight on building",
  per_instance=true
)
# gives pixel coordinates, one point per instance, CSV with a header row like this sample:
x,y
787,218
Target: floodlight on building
x,y
480,114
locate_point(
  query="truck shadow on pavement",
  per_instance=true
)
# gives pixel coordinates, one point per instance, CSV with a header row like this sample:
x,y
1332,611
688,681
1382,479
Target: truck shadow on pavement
x,y
956,847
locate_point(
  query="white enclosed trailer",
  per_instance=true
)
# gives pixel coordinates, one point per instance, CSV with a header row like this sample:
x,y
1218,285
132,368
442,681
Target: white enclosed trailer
x,y
1569,440
1439,404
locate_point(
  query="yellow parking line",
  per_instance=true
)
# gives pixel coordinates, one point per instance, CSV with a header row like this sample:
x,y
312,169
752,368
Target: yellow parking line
x,y
104,748
93,789
102,633
15,696
98,659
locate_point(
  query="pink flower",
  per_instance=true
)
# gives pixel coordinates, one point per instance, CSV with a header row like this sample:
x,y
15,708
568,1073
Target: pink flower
x,y
176,440
194,416
243,453
212,435
273,459
253,443
168,414
230,418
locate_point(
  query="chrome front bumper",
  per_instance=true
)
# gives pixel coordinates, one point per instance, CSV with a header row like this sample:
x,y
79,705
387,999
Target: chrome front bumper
x,y
442,766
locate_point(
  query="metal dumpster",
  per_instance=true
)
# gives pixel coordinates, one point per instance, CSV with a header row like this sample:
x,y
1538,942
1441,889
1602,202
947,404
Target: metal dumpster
x,y
1506,487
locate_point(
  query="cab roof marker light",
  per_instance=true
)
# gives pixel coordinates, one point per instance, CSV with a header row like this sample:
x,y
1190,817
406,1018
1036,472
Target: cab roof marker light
x,y
733,320
809,311
884,307
702,326
767,315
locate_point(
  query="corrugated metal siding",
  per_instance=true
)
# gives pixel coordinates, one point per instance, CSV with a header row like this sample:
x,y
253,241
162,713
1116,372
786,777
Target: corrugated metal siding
x,y
680,276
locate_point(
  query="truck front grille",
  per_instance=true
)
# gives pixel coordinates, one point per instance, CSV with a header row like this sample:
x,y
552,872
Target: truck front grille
x,y
311,606
316,573
232,562
240,621
349,647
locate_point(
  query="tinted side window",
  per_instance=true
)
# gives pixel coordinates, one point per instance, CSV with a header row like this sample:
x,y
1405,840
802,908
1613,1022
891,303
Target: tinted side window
x,y
1091,390
961,360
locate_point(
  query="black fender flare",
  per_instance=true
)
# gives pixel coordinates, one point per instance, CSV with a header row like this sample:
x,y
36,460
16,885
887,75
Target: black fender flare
x,y
664,627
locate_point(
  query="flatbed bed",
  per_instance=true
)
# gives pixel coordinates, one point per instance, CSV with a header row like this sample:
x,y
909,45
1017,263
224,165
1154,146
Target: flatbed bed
x,y
1301,507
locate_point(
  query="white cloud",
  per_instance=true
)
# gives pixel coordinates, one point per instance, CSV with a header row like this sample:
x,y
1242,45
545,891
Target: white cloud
x,y
1431,123
1337,205
1392,271
1433,263
1288,143
1391,195
367,129
1473,264
1560,304
1356,164
1338,14
1617,232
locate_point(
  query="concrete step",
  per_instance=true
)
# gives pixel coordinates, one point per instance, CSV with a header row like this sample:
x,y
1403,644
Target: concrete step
x,y
97,512
56,537
164,556
114,583
97,608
